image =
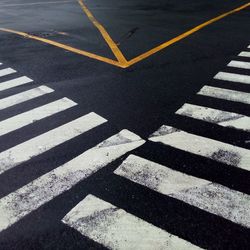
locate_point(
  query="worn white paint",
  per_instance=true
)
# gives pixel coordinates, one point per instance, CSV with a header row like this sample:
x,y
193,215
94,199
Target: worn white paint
x,y
225,94
14,82
211,197
7,71
244,54
232,77
44,142
239,64
24,96
203,146
34,115
23,201
116,229
222,118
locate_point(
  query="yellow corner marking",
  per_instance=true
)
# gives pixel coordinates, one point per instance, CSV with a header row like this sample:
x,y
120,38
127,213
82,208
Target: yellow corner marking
x,y
66,47
116,51
184,35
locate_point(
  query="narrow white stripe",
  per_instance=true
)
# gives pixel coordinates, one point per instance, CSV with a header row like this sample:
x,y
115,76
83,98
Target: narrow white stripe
x,y
245,54
20,203
7,71
34,115
24,96
14,83
225,94
38,3
223,118
44,142
211,197
216,150
225,76
116,229
239,64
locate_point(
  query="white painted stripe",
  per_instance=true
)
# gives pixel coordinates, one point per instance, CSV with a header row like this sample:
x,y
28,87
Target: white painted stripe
x,y
7,71
44,142
30,197
245,54
222,118
232,77
239,64
211,197
225,94
0,63
24,96
34,115
215,150
14,83
37,3
116,229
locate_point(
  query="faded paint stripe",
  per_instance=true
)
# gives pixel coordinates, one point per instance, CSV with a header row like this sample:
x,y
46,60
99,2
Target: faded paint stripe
x,y
203,146
225,94
30,197
239,64
34,115
7,71
116,229
14,82
211,197
244,54
231,77
44,142
24,96
222,118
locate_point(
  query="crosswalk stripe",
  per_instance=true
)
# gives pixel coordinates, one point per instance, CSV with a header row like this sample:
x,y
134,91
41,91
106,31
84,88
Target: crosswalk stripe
x,y
211,197
239,64
24,96
244,54
34,115
225,94
14,82
114,228
44,142
232,77
222,118
30,197
215,150
7,71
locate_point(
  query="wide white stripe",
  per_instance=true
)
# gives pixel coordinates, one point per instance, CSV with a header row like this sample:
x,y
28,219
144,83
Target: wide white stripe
x,y
223,118
245,54
232,77
216,150
14,82
24,96
116,229
211,197
7,71
239,64
225,94
20,203
34,115
44,142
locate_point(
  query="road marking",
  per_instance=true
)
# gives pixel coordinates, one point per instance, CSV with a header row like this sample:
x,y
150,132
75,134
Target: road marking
x,y
44,142
206,147
38,3
30,197
211,197
24,96
239,64
1,63
244,54
34,115
222,118
225,94
14,82
232,77
116,229
7,71
112,45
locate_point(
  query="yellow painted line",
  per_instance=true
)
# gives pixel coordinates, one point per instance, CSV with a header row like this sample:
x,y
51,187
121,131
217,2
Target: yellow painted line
x,y
116,51
184,35
66,47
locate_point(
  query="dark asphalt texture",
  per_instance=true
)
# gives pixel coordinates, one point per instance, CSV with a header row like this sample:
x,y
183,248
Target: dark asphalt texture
x,y
140,98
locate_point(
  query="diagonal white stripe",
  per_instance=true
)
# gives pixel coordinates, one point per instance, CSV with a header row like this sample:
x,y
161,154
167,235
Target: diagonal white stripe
x,y
245,54
14,82
7,71
232,77
239,64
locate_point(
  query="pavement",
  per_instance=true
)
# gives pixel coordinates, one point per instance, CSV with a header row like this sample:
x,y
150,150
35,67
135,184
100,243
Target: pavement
x,y
124,125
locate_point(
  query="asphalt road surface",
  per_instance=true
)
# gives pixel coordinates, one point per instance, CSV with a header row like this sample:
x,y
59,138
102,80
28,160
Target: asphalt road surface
x,y
124,124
